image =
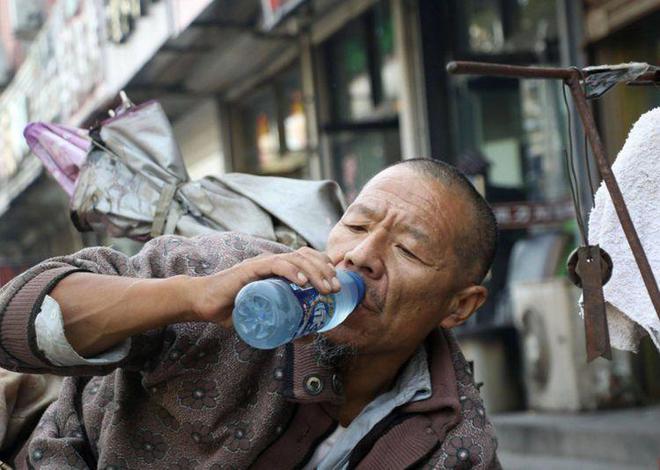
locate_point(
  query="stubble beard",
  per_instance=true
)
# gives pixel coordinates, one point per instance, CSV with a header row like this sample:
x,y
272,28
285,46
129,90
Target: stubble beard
x,y
332,355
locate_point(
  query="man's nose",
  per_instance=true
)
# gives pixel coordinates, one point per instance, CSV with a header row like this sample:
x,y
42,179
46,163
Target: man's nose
x,y
367,257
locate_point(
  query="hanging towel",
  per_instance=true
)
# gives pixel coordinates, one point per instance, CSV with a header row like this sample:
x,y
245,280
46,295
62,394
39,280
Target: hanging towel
x,y
630,313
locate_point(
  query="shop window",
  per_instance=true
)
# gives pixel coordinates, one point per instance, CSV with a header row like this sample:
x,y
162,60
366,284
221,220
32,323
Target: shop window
x,y
518,126
506,26
364,80
363,71
271,127
362,154
510,135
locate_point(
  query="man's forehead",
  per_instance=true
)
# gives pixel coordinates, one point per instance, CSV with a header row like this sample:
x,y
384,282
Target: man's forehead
x,y
400,186
428,205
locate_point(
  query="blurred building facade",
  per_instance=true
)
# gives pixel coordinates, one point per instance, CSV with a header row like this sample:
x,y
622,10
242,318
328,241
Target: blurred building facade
x,y
65,62
340,89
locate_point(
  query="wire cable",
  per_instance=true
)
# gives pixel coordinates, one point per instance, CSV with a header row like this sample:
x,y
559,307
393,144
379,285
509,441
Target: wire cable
x,y
570,167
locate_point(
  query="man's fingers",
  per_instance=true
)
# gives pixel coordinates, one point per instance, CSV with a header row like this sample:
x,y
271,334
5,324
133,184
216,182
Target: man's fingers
x,y
301,267
294,271
323,270
323,260
297,269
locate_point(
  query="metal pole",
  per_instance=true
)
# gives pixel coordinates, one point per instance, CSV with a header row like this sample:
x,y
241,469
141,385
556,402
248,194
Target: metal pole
x,y
516,71
613,188
502,70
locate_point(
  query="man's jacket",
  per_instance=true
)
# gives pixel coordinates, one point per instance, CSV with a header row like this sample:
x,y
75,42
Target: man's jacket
x,y
193,395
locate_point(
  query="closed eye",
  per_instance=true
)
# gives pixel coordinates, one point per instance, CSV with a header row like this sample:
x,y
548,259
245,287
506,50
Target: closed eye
x,y
412,256
355,228
407,252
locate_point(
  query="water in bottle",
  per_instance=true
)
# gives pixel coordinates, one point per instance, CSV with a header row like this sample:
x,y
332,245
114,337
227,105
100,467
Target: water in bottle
x,y
271,312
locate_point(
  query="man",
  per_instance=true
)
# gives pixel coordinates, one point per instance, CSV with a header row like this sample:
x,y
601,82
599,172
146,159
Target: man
x,y
173,386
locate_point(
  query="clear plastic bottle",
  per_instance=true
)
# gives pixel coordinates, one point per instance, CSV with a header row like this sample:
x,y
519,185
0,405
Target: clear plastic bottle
x,y
271,312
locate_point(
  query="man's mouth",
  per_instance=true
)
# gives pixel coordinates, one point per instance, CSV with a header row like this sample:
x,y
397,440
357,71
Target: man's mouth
x,y
373,300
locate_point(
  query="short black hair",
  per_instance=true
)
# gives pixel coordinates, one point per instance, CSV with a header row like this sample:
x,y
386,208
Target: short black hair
x,y
475,250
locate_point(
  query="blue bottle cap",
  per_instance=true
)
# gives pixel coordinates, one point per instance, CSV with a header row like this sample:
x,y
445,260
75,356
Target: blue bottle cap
x,y
359,282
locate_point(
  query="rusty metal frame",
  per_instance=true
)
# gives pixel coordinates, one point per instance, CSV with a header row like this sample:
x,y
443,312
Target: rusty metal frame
x,y
572,77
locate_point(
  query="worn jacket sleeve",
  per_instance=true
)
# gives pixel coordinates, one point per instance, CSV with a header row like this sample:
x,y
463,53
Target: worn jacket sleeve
x,y
467,447
21,299
471,443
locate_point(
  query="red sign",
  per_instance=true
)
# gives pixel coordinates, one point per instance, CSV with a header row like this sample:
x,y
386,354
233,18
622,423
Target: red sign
x,y
524,214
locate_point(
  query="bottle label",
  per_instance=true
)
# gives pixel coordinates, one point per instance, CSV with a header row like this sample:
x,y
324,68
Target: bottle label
x,y
318,309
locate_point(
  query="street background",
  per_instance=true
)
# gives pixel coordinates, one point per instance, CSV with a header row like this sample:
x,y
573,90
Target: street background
x,y
339,89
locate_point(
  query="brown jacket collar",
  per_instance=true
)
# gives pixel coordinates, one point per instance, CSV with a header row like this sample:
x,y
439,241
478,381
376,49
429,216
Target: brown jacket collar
x,y
404,437
428,422
306,381
444,398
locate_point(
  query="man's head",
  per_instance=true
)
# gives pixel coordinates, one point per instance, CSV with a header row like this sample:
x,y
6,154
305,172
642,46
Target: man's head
x,y
423,240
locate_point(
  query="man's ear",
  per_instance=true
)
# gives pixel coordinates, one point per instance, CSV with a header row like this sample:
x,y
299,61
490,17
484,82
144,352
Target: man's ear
x,y
463,305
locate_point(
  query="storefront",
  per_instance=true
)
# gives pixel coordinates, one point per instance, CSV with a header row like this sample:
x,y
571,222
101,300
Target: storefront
x,y
362,83
59,76
312,89
338,89
511,134
355,93
270,128
74,66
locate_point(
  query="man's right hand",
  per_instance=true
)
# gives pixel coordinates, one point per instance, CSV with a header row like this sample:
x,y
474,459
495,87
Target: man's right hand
x,y
100,311
213,296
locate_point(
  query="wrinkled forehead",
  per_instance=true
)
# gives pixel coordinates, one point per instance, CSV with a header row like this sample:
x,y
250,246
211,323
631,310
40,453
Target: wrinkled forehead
x,y
400,186
419,200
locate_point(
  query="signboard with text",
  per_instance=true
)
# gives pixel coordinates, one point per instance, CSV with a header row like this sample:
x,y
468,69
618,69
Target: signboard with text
x,y
61,70
524,214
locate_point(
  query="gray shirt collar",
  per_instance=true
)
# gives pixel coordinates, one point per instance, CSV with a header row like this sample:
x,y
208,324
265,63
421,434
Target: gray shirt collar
x,y
413,384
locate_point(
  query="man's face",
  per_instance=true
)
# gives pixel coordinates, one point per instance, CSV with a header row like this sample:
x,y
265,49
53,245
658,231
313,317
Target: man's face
x,y
399,235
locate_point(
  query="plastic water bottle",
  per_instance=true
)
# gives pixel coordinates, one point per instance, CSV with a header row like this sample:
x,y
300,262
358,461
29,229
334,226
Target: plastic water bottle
x,y
271,312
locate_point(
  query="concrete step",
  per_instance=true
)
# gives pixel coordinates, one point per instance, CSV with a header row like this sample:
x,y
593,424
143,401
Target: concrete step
x,y
543,462
626,438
